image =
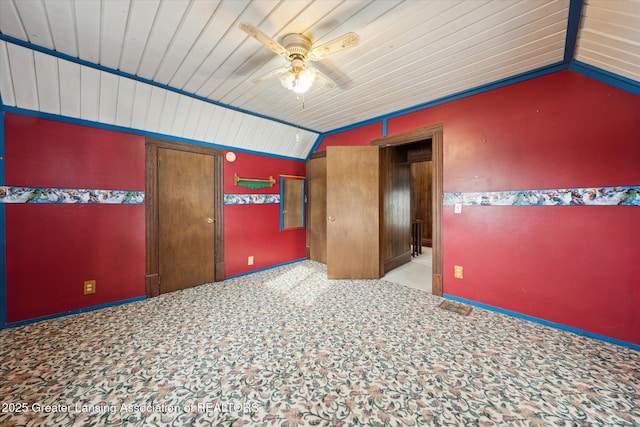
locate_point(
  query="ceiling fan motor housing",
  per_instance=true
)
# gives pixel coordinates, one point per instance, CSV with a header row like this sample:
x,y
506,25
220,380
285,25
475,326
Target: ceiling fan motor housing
x,y
298,45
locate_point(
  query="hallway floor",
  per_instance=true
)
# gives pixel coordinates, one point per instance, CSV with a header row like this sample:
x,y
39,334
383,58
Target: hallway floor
x,y
415,274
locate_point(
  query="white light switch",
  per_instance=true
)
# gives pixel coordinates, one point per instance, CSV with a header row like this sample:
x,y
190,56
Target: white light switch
x,y
457,208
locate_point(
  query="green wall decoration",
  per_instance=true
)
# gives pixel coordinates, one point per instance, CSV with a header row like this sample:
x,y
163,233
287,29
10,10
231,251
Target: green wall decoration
x,y
253,183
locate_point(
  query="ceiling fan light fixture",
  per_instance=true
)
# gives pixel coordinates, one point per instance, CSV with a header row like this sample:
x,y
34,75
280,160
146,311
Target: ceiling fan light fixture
x,y
297,49
299,79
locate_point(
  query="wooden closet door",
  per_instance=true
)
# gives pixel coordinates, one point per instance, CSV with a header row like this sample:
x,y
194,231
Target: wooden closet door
x,y
317,209
353,213
185,216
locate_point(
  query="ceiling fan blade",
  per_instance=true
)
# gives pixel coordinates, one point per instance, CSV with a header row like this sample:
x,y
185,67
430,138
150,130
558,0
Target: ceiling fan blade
x,y
264,39
323,80
344,42
273,73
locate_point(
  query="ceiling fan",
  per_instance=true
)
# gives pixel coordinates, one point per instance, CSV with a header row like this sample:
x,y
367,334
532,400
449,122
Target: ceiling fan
x,y
298,76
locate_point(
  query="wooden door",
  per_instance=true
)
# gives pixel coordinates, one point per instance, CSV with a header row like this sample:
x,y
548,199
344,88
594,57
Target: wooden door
x,y
353,213
421,197
396,207
186,219
317,209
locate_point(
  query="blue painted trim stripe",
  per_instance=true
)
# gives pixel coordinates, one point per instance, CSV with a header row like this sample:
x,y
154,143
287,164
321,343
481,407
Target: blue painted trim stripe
x,y
70,58
606,77
573,24
265,269
542,71
69,313
83,122
544,322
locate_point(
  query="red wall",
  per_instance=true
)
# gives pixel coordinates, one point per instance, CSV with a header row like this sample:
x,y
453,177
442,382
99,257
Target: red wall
x,y
356,136
254,230
51,249
575,265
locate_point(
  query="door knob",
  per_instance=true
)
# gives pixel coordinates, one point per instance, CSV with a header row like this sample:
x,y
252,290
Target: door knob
x,y
210,220
330,218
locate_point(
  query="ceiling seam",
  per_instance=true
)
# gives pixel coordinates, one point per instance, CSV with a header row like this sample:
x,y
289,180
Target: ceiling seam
x,y
573,26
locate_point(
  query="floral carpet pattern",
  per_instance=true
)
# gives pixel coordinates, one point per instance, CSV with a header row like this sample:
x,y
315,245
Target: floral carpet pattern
x,y
287,347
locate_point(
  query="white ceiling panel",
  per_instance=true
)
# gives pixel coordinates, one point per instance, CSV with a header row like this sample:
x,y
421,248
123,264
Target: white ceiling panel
x,y
219,116
6,83
411,53
52,85
610,36
201,62
48,82
187,34
126,98
191,121
88,20
141,18
113,27
141,105
182,113
168,112
25,88
155,109
33,17
165,26
204,118
70,87
108,98
63,33
89,93
10,21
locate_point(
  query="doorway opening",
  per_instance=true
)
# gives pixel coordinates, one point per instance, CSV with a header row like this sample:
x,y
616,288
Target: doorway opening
x,y
414,270
417,149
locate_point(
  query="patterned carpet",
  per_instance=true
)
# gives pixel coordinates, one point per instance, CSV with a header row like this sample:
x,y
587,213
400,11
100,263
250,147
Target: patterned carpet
x,y
288,347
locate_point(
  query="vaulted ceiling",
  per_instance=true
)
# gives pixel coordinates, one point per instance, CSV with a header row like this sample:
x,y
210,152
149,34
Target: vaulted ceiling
x,y
183,69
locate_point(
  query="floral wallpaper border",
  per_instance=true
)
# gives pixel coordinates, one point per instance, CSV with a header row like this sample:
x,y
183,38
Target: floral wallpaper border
x,y
251,199
601,196
592,196
9,194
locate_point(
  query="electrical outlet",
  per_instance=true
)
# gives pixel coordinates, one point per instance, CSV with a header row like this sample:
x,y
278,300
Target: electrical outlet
x,y
250,260
458,272
89,287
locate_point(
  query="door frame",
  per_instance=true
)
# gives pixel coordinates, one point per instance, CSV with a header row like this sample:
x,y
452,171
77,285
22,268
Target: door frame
x,y
152,240
434,133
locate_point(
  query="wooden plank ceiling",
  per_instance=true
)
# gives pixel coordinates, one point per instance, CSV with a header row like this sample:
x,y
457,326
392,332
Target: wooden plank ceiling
x,y
174,67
